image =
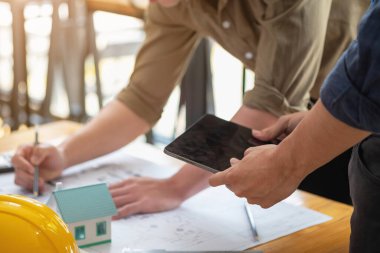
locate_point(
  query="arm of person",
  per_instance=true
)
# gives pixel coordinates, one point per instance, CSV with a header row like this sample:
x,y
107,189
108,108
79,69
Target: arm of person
x,y
146,195
137,108
115,126
283,87
270,173
348,112
286,88
288,55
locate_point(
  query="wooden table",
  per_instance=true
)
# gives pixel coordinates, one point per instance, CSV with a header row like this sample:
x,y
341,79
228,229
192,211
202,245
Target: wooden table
x,y
332,236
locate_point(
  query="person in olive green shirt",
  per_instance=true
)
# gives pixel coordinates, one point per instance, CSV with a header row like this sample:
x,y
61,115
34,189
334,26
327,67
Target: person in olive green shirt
x,y
283,42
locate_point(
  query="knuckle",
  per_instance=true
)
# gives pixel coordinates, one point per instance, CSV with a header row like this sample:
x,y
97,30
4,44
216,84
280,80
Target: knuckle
x,y
123,213
37,152
15,159
230,177
248,150
129,181
283,119
48,149
22,149
18,181
266,131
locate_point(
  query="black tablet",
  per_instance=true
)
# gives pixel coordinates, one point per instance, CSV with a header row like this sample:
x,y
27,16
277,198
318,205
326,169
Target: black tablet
x,y
211,142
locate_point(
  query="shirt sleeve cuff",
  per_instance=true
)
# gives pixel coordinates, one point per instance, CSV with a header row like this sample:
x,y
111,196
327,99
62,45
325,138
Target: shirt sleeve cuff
x,y
137,104
269,99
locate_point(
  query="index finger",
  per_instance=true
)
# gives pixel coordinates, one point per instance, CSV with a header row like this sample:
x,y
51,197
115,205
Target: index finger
x,y
218,178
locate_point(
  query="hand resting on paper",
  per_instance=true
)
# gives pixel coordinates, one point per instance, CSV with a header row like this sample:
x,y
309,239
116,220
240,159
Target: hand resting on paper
x,y
144,195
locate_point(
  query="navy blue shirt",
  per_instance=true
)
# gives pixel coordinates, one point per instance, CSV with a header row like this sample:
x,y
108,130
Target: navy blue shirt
x,y
351,92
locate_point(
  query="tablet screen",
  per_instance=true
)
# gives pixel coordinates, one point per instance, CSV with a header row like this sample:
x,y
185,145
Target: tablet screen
x,y
211,142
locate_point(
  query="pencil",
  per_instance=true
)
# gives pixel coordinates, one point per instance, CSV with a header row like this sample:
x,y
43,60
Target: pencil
x,y
36,169
252,222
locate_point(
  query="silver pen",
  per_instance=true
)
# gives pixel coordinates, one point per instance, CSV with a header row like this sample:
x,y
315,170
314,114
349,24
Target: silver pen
x,y
36,169
251,221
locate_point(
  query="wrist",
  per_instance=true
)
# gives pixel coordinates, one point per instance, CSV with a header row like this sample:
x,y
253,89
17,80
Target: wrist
x,y
188,181
290,160
177,188
62,152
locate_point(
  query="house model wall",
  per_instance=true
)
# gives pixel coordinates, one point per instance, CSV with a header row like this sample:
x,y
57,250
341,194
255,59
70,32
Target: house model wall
x,y
87,211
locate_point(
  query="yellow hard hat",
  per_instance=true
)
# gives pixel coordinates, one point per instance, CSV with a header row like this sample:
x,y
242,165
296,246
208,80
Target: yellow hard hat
x,y
27,225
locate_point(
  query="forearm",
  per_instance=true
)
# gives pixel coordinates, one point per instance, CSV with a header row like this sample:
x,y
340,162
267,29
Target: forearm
x,y
317,139
189,181
115,126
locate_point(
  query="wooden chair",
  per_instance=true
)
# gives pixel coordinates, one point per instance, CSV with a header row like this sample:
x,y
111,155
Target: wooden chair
x,y
18,100
19,63
72,40
121,7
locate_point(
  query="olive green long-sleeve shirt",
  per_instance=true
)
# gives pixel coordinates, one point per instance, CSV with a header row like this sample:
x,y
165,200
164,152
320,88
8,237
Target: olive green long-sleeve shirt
x,y
282,41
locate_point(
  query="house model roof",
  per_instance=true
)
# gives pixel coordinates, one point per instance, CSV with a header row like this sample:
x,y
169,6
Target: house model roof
x,y
84,203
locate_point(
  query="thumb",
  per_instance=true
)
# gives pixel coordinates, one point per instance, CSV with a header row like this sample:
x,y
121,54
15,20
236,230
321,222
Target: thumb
x,y
271,132
234,161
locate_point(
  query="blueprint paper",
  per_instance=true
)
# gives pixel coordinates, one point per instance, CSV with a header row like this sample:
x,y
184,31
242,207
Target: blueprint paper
x,y
214,219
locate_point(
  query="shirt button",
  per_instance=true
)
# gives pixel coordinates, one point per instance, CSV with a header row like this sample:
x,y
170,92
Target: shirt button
x,y
226,24
248,55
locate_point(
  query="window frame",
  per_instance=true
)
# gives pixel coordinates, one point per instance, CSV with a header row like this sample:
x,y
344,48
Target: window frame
x,y
104,223
77,229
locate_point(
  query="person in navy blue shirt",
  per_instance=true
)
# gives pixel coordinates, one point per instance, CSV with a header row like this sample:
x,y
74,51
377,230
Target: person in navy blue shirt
x,y
348,114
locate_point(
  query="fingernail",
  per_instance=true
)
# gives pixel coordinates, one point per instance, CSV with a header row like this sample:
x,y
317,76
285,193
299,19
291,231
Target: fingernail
x,y
256,132
233,161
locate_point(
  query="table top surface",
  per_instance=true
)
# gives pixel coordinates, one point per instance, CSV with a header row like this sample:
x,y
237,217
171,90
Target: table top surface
x,y
332,236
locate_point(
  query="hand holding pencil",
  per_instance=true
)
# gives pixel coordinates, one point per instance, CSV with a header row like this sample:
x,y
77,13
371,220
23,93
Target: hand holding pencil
x,y
36,164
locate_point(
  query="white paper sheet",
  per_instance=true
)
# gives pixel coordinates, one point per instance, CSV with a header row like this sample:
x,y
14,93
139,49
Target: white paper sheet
x,y
215,219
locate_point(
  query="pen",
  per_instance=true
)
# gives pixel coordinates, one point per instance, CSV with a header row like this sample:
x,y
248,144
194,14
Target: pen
x,y
36,169
251,221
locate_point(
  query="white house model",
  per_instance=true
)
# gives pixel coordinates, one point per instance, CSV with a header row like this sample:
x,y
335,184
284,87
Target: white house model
x,y
87,211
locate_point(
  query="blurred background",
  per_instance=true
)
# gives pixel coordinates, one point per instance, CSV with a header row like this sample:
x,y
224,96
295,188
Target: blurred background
x,y
65,59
